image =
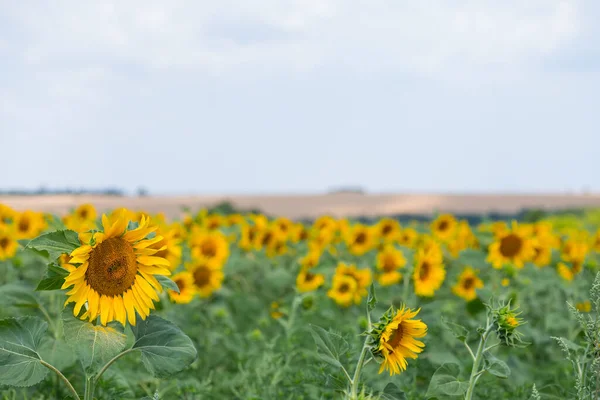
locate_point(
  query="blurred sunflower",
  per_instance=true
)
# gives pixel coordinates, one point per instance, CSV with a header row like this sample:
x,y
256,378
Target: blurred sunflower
x,y
585,306
345,290
311,259
86,212
6,214
115,272
277,247
210,247
389,260
429,273
248,237
234,220
207,277
28,224
542,253
362,276
308,281
276,311
284,226
444,227
73,222
299,233
359,239
8,244
394,339
512,246
408,237
388,230
169,247
467,285
213,222
325,222
185,283
569,271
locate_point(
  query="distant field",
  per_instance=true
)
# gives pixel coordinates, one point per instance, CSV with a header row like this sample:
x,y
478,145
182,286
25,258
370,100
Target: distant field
x,y
310,206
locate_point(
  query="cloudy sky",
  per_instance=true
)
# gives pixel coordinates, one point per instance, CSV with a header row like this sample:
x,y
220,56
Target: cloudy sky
x,y
275,96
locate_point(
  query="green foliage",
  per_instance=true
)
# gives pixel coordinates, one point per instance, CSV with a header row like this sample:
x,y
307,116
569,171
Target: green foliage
x,y
56,243
445,382
54,278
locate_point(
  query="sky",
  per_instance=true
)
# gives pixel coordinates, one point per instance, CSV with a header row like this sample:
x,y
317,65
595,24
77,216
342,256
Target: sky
x,y
282,96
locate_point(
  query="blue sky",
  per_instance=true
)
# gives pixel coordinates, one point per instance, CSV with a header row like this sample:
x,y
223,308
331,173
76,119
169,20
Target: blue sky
x,y
277,96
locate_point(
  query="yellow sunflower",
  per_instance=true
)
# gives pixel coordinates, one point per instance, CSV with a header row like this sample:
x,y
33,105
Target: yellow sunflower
x,y
299,233
444,227
113,272
360,239
185,283
325,222
512,246
569,271
211,247
542,255
248,237
345,290
234,220
28,224
408,237
284,226
585,306
208,278
311,260
395,339
388,230
429,273
213,222
467,285
362,276
8,244
389,260
308,281
86,211
276,312
169,247
6,214
77,224
277,247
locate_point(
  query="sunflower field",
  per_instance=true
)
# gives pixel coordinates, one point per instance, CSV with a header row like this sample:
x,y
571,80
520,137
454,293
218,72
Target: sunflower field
x,y
130,305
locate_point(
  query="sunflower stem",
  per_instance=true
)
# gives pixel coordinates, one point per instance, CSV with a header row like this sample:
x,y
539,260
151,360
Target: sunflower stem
x,y
108,364
90,386
361,360
475,371
61,376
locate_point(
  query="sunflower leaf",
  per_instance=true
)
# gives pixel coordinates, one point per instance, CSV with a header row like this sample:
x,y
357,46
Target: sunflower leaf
x,y
331,345
495,366
444,382
20,363
392,392
167,283
459,331
165,348
54,278
93,345
55,243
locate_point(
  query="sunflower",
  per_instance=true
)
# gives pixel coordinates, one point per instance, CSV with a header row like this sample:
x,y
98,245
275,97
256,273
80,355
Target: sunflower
x,y
444,227
207,277
505,282
389,260
394,339
276,312
277,247
86,211
345,290
362,276
325,222
542,255
77,224
311,260
213,222
185,283
284,226
28,224
467,285
211,247
408,237
585,306
308,281
169,247
6,214
429,273
8,244
569,271
359,239
511,247
299,233
113,272
248,237
267,237
575,250
234,220
388,230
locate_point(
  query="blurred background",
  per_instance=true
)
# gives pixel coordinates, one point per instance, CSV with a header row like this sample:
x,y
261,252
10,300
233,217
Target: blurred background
x,y
300,107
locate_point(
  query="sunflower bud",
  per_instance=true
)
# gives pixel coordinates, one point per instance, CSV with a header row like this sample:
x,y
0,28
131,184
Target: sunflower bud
x,y
505,322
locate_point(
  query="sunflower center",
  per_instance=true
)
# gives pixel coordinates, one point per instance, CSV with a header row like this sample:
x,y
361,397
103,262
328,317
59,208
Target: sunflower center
x,y
4,243
201,276
386,229
112,267
309,277
443,226
344,288
209,249
267,238
83,213
24,225
389,264
396,336
468,283
361,238
424,270
180,284
510,245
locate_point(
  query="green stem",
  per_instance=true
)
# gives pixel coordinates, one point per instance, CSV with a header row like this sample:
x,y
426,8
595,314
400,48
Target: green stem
x,y
50,320
361,361
108,364
64,379
90,386
475,372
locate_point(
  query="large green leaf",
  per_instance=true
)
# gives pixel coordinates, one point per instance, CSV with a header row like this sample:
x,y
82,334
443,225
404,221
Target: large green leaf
x,y
54,278
165,348
459,331
444,382
18,295
55,243
20,363
93,345
167,283
57,352
331,345
392,392
495,366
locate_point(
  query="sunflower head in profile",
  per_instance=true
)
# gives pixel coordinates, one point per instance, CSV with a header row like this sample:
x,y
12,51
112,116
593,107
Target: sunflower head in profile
x,y
513,246
185,283
248,235
444,227
408,237
568,271
389,261
28,224
360,239
207,278
542,253
276,310
344,290
429,272
113,272
308,281
213,222
394,339
8,243
311,259
299,233
211,247
467,285
234,219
